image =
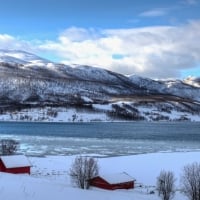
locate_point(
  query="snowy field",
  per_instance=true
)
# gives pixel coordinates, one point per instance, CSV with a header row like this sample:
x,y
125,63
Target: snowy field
x,y
47,114
50,180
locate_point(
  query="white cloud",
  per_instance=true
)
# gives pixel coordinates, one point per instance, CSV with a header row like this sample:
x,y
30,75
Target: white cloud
x,y
158,52
152,51
10,42
7,41
79,34
154,13
190,2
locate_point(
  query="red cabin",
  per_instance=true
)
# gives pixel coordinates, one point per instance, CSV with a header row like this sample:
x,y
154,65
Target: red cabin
x,y
15,164
113,181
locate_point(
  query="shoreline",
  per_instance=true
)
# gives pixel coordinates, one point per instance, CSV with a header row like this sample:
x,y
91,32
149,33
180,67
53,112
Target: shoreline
x,y
88,122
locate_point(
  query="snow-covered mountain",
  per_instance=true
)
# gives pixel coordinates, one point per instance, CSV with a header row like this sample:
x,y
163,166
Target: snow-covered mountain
x,y
20,57
194,81
29,82
188,88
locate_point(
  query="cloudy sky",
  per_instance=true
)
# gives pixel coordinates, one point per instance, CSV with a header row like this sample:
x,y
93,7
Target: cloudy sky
x,y
152,38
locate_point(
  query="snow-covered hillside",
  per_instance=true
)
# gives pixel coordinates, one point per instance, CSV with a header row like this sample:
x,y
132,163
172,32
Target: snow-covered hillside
x,y
20,57
120,111
188,88
30,84
194,81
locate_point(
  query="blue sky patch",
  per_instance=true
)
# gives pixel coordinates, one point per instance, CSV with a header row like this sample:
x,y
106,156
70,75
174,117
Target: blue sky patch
x,y
118,56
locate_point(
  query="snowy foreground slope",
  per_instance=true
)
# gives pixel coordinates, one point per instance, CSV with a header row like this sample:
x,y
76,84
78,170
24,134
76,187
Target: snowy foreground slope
x,y
49,177
35,89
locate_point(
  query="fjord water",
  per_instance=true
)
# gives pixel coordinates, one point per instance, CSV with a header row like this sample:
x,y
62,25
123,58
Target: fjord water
x,y
103,139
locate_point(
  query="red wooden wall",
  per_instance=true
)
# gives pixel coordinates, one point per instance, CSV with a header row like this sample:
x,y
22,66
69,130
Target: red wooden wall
x,y
101,183
17,170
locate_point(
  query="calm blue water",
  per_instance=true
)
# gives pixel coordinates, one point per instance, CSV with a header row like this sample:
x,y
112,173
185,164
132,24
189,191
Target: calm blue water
x,y
109,139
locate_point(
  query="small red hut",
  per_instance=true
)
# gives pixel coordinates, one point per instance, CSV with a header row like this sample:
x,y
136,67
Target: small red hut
x,y
15,164
113,181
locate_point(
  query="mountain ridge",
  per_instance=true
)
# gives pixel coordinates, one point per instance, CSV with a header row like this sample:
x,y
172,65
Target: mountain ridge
x,y
29,82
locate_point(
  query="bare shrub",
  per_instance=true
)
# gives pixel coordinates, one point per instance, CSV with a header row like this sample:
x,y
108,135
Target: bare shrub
x,y
82,170
166,185
190,181
8,146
